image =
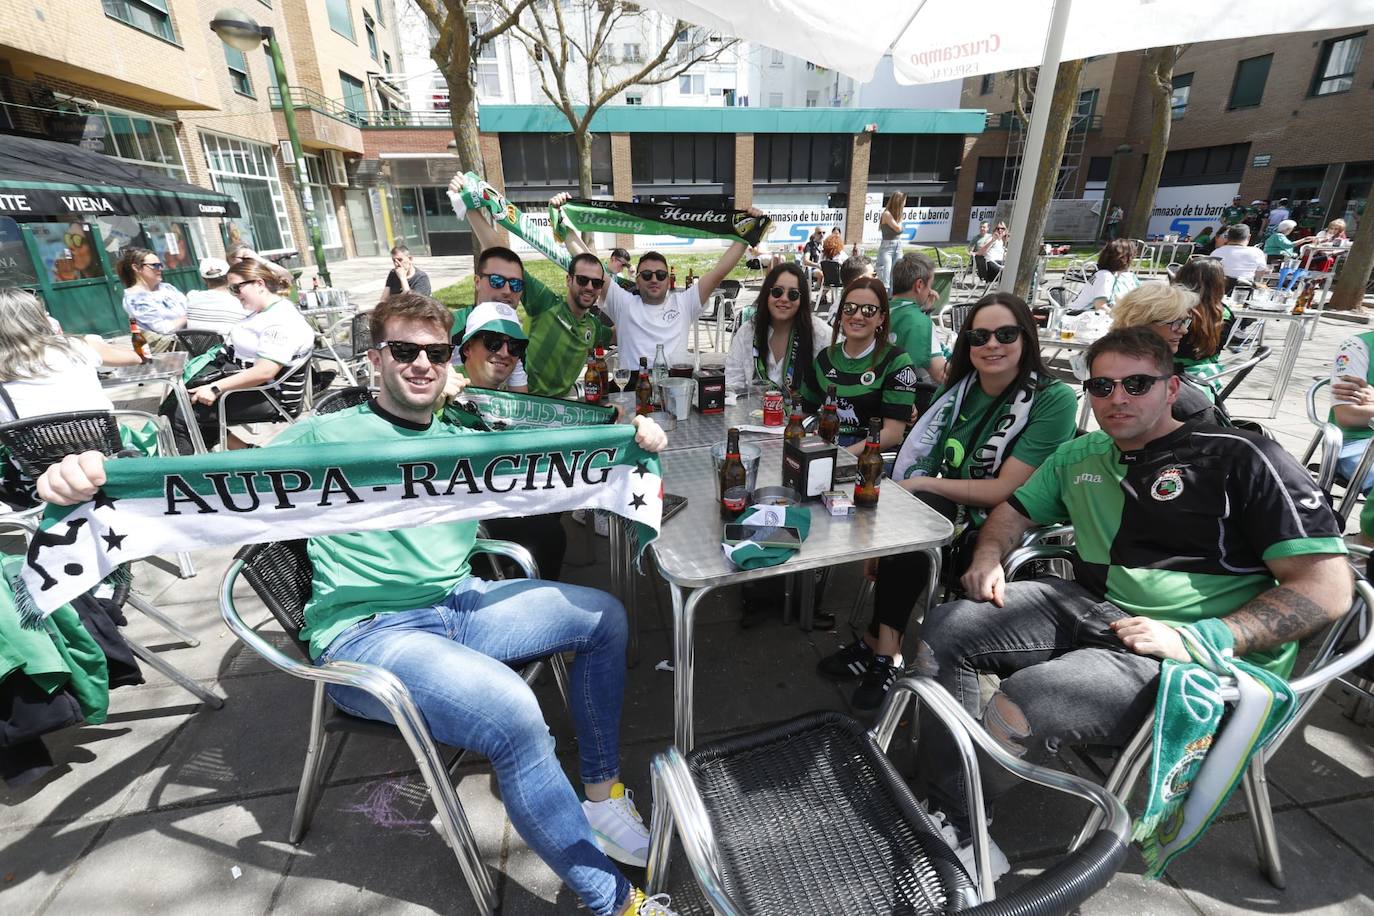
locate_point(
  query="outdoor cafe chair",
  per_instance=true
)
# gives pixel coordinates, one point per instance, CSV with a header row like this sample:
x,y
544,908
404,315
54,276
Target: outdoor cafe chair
x,y
346,343
195,342
1334,658
280,574
1323,453
290,393
810,816
831,287
36,443
342,399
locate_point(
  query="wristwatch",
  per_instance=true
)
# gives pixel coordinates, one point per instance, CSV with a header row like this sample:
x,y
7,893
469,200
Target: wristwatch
x,y
214,389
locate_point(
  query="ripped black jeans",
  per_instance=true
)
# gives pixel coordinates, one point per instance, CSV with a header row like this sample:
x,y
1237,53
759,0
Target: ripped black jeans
x,y
1066,679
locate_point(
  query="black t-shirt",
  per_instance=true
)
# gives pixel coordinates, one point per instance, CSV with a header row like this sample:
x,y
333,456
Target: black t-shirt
x,y
419,283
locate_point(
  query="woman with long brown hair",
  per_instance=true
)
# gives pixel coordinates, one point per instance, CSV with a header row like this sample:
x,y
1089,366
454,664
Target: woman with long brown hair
x,y
1112,279
890,228
1199,352
871,377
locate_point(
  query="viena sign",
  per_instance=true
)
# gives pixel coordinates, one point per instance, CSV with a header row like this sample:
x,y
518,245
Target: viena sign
x,y
20,203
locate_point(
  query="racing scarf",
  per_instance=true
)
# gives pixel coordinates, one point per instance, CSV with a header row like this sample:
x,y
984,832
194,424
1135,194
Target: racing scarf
x,y
749,555
789,366
1193,770
923,452
152,506
659,219
479,195
491,409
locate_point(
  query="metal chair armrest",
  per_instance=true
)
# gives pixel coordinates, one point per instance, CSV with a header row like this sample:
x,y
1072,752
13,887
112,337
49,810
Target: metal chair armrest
x,y
512,551
1012,562
1041,533
677,803
1353,657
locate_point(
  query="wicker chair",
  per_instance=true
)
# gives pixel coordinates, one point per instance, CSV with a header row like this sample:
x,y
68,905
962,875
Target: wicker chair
x,y
280,574
342,399
811,817
196,342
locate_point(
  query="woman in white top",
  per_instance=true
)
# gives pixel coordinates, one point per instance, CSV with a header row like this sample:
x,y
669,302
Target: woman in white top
x,y
1112,280
42,371
271,341
781,339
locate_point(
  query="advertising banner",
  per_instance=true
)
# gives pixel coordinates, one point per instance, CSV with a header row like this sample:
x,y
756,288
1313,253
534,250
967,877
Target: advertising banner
x,y
919,224
1189,209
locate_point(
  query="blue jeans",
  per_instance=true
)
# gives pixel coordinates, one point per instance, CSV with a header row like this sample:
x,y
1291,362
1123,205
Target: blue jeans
x,y
453,658
888,253
1351,453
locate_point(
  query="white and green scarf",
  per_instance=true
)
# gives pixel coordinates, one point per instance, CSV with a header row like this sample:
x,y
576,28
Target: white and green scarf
x,y
1194,770
678,220
493,409
477,194
923,452
151,506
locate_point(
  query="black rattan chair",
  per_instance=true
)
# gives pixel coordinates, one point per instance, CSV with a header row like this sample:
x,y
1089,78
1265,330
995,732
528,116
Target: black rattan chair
x,y
281,575
196,342
342,399
811,817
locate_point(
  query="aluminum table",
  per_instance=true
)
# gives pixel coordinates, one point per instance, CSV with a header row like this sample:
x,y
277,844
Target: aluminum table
x,y
690,558
166,369
1292,345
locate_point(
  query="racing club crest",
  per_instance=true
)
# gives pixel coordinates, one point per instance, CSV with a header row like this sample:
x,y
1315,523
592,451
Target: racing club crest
x,y
868,377
1168,485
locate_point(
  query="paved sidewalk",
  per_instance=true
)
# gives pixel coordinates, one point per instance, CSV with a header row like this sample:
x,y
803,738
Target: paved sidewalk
x,y
364,278
172,808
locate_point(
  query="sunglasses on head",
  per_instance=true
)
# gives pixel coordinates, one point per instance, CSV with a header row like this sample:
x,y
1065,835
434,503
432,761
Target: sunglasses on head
x,y
593,282
235,287
495,340
1006,334
1178,324
1135,385
792,294
403,351
659,275
867,309
496,281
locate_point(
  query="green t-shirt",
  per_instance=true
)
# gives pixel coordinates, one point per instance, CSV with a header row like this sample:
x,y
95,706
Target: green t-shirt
x,y
366,573
912,331
874,385
1052,420
1180,530
1352,358
1278,244
1234,215
559,342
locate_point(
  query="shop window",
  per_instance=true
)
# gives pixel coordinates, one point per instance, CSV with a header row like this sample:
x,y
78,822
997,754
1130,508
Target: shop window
x,y
66,251
801,158
247,172
238,70
340,19
15,267
1204,165
1178,100
914,157
370,28
682,158
169,240
151,16
1087,103
1247,91
1337,63
542,160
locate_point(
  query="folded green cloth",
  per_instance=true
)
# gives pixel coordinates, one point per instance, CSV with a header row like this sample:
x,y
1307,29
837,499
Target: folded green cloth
x,y
748,555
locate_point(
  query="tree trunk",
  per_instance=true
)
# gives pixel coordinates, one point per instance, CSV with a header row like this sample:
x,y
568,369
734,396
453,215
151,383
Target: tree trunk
x,y
1159,69
462,104
1062,107
1348,293
583,140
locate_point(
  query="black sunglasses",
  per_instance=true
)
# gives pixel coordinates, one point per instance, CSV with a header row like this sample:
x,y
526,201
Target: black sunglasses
x,y
235,287
792,294
495,340
593,282
1100,386
659,275
868,309
403,351
496,281
1006,334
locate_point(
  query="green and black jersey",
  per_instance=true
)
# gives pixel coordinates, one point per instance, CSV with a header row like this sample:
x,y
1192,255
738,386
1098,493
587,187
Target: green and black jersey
x,y
1181,530
873,385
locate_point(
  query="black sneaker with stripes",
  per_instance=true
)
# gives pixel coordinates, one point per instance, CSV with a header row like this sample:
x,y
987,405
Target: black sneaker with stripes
x,y
878,680
850,662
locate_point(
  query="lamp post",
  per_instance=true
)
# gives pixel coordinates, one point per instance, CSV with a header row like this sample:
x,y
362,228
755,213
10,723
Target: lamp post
x,y
241,31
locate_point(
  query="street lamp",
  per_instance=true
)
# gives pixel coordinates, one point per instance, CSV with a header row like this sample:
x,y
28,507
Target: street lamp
x,y
241,32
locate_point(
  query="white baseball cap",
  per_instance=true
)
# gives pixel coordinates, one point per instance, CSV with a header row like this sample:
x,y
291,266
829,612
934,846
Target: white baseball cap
x,y
213,268
494,316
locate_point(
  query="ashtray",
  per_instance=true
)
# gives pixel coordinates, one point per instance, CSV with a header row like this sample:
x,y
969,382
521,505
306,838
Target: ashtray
x,y
776,496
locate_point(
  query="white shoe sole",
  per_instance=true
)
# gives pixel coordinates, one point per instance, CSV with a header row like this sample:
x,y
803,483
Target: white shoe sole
x,y
614,850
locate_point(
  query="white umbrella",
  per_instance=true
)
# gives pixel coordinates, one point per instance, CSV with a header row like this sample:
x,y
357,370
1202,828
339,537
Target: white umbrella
x,y
936,40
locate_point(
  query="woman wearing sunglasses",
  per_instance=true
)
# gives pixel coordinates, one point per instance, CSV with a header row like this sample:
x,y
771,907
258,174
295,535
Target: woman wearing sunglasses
x,y
1168,311
1199,350
998,416
781,338
872,378
158,307
272,340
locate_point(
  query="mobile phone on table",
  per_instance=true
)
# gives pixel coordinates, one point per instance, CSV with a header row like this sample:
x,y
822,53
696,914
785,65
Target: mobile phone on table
x,y
763,535
672,505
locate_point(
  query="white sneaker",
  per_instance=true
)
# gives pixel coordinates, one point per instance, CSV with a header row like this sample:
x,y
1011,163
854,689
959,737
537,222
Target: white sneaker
x,y
641,905
998,859
618,828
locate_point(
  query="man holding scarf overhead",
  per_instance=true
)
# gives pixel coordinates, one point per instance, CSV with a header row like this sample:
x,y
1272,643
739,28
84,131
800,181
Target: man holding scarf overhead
x,y
404,599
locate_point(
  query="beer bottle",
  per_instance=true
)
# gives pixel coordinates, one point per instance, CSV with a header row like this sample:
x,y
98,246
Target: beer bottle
x,y
794,431
592,390
829,427
870,467
603,370
734,482
136,340
1304,299
672,278
644,389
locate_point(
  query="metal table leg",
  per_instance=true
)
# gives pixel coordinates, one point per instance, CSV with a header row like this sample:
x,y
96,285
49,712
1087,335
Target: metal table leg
x,y
623,584
1292,343
184,403
684,619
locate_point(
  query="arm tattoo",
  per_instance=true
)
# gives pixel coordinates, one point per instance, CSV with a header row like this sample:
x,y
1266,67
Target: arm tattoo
x,y
1275,617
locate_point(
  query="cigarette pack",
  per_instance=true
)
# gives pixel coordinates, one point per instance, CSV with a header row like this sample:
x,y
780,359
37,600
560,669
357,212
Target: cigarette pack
x,y
838,502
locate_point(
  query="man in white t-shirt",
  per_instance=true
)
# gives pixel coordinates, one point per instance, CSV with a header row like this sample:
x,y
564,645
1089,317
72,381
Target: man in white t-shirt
x,y
1238,258
213,308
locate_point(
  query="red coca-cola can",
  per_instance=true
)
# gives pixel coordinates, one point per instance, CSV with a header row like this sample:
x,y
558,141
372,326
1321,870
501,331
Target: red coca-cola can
x,y
772,407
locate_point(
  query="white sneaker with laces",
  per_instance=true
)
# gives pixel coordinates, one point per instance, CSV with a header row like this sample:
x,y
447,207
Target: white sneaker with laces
x,y
618,828
657,905
997,858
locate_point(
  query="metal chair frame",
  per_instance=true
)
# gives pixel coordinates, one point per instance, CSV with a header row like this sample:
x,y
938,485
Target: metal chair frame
x,y
272,390
679,810
409,726
196,341
1325,446
1328,665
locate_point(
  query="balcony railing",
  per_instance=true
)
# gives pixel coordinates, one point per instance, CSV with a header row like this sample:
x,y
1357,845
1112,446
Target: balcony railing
x,y
302,97
1002,121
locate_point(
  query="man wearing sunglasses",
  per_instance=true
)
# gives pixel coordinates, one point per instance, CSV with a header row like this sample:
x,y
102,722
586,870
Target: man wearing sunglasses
x,y
1174,523
564,330
492,346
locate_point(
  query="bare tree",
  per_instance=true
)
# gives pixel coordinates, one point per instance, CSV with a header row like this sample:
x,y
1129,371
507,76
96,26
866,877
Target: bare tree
x,y
1022,92
573,52
455,52
1159,74
1063,106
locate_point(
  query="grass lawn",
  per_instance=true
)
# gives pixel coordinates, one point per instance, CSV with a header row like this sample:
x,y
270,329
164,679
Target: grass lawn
x,y
460,293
